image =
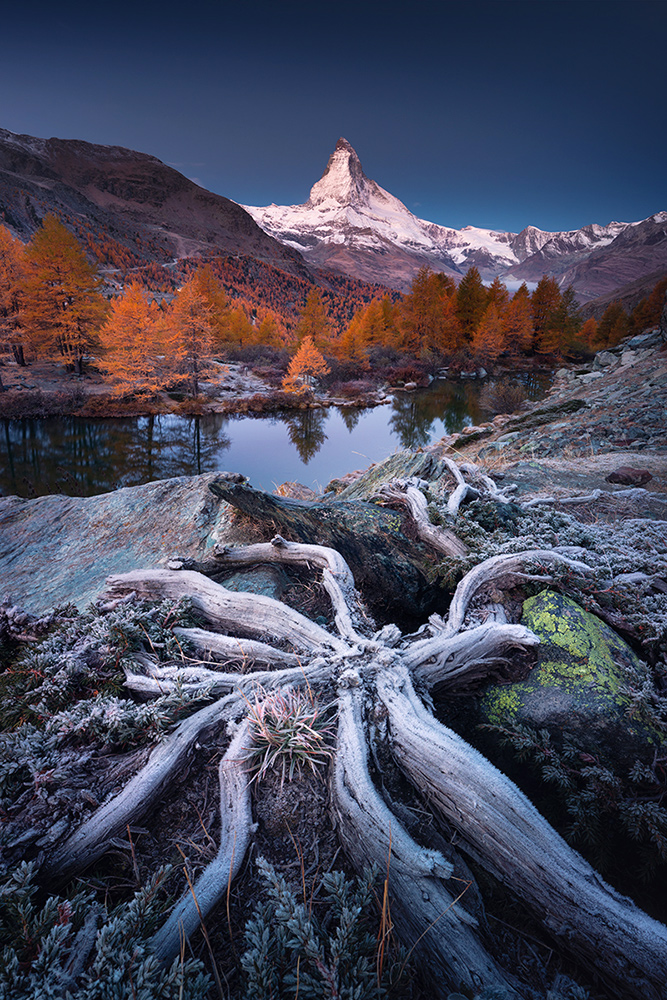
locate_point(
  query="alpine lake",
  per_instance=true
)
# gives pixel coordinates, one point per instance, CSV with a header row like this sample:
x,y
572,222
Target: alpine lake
x,y
82,457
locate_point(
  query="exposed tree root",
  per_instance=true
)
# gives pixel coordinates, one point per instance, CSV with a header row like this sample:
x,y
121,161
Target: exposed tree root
x,y
507,835
141,793
407,494
228,609
423,898
236,827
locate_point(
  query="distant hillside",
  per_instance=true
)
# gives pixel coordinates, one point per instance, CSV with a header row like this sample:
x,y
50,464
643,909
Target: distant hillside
x,y
127,208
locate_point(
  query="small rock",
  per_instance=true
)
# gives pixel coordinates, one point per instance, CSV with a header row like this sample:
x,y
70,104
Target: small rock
x,y
628,476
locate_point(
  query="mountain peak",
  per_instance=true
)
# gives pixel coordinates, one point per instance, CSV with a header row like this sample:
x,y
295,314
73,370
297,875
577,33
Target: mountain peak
x,y
343,180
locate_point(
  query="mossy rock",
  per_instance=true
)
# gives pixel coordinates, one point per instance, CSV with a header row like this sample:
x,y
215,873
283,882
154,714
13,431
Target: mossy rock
x,y
578,686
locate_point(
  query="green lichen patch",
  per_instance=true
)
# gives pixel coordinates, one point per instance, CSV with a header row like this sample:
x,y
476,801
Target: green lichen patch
x,y
583,682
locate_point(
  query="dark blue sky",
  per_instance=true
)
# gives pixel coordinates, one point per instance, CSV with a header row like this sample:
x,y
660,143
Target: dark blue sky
x,y
496,114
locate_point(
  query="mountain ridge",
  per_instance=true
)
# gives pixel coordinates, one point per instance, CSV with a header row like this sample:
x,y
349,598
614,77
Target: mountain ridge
x,y
350,223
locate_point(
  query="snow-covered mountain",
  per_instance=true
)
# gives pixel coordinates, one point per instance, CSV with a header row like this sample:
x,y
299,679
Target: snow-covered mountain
x,y
351,224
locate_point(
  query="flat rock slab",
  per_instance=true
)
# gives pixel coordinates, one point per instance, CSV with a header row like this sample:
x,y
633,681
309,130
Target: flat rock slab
x,y
59,549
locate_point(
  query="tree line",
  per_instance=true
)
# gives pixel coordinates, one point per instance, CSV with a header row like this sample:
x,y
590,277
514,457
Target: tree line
x,y
52,306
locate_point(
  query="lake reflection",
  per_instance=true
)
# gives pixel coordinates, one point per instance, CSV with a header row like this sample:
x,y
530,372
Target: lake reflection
x,y
76,456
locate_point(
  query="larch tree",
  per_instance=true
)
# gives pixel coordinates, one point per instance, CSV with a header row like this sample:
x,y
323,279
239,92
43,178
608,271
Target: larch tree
x,y
471,302
314,321
488,340
63,305
12,279
426,316
613,326
517,320
189,338
306,366
131,341
545,301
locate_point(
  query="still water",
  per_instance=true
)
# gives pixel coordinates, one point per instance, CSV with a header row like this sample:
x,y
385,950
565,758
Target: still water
x,y
83,457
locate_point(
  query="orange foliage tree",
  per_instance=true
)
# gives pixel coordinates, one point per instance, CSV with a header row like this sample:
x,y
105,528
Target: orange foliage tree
x,y
306,366
189,339
517,320
64,308
314,321
132,344
12,279
488,340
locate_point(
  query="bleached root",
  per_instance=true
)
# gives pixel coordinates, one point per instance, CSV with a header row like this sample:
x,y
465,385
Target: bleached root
x,y
455,661
227,609
349,611
141,793
458,495
504,567
196,680
405,493
422,897
229,649
636,493
504,832
210,888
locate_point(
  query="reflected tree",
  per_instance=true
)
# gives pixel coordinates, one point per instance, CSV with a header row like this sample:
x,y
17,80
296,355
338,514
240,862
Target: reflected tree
x,y
306,432
350,415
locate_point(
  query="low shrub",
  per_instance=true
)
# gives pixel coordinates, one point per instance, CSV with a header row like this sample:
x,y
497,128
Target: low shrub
x,y
502,397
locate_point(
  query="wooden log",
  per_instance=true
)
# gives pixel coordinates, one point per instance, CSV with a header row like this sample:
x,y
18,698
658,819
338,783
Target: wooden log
x,y
388,567
504,832
228,609
138,797
212,885
423,900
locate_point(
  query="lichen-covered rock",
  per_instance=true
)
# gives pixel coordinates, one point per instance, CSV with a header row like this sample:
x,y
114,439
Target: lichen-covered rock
x,y
580,685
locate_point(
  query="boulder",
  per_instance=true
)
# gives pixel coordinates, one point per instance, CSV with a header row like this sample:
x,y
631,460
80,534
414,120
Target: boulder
x,y
59,549
629,476
578,685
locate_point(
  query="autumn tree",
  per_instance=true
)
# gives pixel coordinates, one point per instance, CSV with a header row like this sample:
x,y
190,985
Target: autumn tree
x,y
426,316
545,302
306,365
588,332
471,302
132,344
613,326
63,305
12,280
314,321
517,321
189,338
497,294
648,311
488,341
371,326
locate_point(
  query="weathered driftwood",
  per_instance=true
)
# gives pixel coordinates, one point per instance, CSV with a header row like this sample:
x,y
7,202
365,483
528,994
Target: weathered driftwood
x,y
142,792
405,493
507,835
423,899
462,491
444,661
235,829
495,821
387,565
228,609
